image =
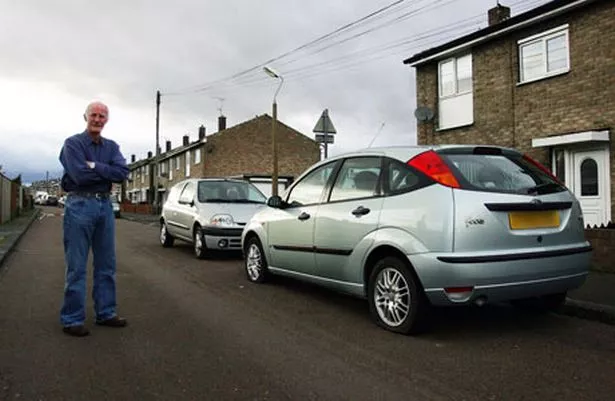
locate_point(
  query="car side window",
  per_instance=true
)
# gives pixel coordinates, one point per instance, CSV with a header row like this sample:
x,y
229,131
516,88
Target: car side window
x,y
174,192
401,178
358,178
309,190
187,194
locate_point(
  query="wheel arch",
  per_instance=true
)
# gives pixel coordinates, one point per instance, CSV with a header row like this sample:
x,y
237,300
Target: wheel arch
x,y
381,252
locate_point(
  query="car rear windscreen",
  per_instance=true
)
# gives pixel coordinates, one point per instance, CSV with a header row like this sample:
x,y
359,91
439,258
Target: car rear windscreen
x,y
501,173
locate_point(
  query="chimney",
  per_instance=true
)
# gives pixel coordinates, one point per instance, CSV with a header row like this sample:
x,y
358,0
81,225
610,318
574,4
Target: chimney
x,y
221,123
168,146
132,158
498,14
202,132
186,140
149,154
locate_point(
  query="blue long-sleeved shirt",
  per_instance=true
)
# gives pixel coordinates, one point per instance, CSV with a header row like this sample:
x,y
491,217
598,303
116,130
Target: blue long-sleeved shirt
x,y
109,164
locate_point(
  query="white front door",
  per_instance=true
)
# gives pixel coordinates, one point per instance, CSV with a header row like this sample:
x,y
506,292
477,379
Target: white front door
x,y
591,181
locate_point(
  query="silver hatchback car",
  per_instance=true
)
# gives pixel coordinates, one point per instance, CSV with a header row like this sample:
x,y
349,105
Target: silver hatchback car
x,y
210,213
411,227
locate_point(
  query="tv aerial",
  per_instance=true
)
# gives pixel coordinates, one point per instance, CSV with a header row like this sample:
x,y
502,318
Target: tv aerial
x,y
221,103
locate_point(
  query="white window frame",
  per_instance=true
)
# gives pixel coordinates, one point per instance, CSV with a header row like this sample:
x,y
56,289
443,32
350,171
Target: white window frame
x,y
177,162
543,38
142,174
187,157
456,92
197,155
455,109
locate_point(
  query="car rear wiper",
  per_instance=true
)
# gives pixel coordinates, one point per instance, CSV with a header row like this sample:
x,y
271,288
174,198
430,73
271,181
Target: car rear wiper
x,y
543,186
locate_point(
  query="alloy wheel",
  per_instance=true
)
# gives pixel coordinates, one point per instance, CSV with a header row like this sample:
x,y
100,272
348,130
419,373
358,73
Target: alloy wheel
x,y
163,234
392,297
198,243
254,262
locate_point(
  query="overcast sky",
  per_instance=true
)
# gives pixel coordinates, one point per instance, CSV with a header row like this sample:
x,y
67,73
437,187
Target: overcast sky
x,y
56,56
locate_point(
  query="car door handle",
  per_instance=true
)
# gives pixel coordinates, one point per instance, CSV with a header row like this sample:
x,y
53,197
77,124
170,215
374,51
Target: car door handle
x,y
304,216
361,211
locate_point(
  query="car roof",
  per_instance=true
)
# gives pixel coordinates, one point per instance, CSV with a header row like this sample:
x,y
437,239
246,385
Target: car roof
x,y
402,152
212,179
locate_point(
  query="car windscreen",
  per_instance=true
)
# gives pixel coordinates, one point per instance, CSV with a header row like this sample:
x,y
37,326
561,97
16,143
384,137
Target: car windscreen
x,y
501,173
229,192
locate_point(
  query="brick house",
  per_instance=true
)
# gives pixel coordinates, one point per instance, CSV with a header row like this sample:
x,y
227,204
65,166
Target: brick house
x,y
243,150
137,189
542,81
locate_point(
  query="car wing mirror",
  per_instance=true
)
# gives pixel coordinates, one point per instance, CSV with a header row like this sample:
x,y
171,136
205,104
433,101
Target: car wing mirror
x,y
275,202
186,202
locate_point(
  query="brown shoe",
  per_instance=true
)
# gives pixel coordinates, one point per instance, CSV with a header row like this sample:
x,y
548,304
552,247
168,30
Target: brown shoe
x,y
76,331
115,321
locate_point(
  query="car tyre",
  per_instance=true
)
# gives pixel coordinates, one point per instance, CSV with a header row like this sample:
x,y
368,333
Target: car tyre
x,y
166,239
396,299
198,241
255,261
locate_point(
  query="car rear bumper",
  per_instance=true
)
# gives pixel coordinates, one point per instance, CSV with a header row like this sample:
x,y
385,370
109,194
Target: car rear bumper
x,y
493,279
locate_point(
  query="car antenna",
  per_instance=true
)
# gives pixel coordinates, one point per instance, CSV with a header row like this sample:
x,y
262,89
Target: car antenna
x,y
377,134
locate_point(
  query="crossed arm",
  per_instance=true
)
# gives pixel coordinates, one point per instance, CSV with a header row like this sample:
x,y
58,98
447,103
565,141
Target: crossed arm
x,y
79,169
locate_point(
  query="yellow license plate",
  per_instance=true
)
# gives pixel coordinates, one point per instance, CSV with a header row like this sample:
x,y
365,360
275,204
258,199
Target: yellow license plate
x,y
530,220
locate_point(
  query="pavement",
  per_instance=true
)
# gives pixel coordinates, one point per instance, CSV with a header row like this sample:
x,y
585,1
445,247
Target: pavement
x,y
11,232
595,300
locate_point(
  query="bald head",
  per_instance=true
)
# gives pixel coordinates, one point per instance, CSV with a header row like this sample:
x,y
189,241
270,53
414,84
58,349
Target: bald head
x,y
96,116
98,105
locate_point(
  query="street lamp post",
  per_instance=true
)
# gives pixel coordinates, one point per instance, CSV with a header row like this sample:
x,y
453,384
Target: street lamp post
x,y
156,167
274,112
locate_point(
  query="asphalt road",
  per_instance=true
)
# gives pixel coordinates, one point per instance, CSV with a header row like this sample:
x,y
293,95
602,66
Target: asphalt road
x,y
199,331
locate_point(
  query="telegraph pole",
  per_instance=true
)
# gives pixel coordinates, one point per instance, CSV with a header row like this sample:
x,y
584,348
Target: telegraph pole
x,y
156,172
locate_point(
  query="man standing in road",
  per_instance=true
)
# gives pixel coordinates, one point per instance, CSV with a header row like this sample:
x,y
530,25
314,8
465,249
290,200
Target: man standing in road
x,y
91,164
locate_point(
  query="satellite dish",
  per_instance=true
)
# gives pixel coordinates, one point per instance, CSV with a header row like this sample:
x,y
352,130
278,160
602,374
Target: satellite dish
x,y
423,113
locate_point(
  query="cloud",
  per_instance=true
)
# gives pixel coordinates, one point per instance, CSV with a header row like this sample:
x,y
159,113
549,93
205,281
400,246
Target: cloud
x,y
58,56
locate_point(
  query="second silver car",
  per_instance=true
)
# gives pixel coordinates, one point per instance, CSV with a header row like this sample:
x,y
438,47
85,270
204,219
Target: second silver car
x,y
209,213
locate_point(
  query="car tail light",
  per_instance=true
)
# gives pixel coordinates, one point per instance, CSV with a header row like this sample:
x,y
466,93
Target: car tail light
x,y
542,168
432,165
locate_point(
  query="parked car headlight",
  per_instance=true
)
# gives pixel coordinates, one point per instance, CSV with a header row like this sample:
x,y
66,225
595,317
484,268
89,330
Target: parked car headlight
x,y
222,220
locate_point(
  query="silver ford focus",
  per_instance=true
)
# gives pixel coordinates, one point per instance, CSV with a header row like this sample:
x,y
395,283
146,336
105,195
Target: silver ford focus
x,y
412,227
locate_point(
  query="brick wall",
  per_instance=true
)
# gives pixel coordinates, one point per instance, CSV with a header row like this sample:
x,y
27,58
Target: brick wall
x,y
603,242
512,115
247,149
244,149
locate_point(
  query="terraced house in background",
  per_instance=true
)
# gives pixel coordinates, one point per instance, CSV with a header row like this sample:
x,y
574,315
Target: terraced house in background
x,y
542,82
240,151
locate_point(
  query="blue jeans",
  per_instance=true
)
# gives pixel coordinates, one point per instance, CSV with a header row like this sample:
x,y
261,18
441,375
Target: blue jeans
x,y
88,223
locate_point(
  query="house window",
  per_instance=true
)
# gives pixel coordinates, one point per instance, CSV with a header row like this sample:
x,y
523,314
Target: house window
x,y
170,170
456,102
544,55
197,156
177,162
589,178
142,173
188,164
